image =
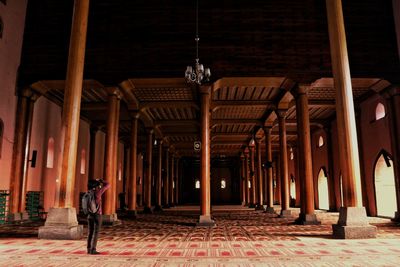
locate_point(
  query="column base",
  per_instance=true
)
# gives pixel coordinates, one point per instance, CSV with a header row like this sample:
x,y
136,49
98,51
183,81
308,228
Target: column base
x,y
61,223
396,217
269,210
131,214
353,224
259,207
147,210
158,208
205,220
285,214
307,219
110,219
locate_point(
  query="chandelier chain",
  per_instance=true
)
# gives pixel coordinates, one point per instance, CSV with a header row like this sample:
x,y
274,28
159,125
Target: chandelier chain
x,y
198,73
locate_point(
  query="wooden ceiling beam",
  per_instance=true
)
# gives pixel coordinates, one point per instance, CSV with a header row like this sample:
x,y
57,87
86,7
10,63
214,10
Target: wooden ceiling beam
x,y
323,103
215,122
161,123
169,104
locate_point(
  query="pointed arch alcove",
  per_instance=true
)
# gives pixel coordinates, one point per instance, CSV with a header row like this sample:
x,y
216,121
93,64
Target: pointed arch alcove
x,y
385,187
323,190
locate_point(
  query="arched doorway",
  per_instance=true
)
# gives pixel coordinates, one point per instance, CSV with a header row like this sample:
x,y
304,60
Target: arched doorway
x,y
323,192
385,188
292,191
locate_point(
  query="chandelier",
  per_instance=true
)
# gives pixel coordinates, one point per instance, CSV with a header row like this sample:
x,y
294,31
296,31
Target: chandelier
x,y
198,73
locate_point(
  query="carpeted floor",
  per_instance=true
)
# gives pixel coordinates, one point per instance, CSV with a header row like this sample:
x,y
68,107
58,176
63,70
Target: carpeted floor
x,y
242,237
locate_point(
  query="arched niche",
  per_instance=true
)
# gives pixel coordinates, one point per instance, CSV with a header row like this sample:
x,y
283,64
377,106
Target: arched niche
x,y
385,187
323,190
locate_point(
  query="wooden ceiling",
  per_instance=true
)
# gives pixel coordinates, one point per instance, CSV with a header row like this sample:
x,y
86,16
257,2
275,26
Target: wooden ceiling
x,y
258,50
240,107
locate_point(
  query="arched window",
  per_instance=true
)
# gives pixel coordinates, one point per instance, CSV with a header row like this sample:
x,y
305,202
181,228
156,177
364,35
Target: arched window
x,y
385,187
173,184
323,192
223,183
50,153
249,183
380,111
291,154
1,135
120,172
197,184
83,161
321,141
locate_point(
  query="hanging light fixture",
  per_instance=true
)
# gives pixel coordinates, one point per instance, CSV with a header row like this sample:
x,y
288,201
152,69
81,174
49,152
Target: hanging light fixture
x,y
198,73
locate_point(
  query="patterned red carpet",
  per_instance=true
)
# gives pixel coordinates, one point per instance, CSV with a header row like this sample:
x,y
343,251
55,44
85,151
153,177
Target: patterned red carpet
x,y
241,238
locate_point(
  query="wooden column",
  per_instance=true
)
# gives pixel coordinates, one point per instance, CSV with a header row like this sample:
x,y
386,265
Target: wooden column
x,y
158,206
393,102
57,219
205,164
148,164
242,179
307,212
177,182
353,214
132,190
166,179
252,176
260,185
269,178
21,148
110,164
246,176
283,159
171,182
277,190
92,152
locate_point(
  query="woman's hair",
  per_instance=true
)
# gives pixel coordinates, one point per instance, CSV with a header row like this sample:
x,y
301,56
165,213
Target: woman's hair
x,y
92,184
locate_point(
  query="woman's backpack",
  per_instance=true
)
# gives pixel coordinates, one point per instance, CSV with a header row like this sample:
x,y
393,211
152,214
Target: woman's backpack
x,y
89,205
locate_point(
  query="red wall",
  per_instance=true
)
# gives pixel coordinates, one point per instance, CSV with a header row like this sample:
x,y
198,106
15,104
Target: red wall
x,y
13,16
319,159
375,137
335,168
